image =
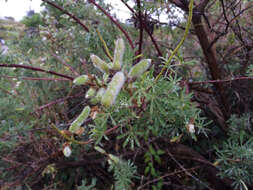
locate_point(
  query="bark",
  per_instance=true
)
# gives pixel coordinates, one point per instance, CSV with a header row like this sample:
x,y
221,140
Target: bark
x,y
212,62
208,51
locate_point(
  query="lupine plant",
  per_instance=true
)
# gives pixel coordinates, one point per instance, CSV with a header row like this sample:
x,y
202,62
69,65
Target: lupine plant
x,y
135,104
78,117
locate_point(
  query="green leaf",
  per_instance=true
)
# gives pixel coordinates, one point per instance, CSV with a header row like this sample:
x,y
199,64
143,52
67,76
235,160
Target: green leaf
x,y
153,172
152,150
157,159
160,152
147,169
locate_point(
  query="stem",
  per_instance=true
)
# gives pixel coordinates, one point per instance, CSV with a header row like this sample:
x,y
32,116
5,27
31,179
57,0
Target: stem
x,y
36,69
220,81
33,78
141,29
145,27
72,140
54,102
180,43
105,46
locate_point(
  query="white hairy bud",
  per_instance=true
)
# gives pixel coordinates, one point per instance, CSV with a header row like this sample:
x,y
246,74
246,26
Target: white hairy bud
x,y
118,54
67,151
100,64
191,128
76,124
83,79
98,96
90,93
138,69
113,89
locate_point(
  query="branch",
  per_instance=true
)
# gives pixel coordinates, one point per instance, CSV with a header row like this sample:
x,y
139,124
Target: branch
x,y
82,142
33,78
114,21
211,171
36,69
166,175
125,3
187,172
220,81
145,27
53,102
78,21
228,23
141,28
153,40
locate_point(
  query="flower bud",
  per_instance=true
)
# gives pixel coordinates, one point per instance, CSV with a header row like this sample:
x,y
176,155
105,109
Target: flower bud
x,y
115,159
138,69
81,80
100,93
90,93
102,151
191,128
105,77
98,96
76,125
113,89
118,54
99,64
67,151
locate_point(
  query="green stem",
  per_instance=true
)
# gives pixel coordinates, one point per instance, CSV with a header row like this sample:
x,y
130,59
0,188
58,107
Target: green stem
x,y
180,43
72,140
104,44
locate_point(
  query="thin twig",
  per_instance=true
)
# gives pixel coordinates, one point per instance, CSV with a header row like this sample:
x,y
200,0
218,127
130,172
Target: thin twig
x,y
81,142
125,3
53,102
187,172
140,29
34,78
145,27
166,175
220,81
105,46
36,69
